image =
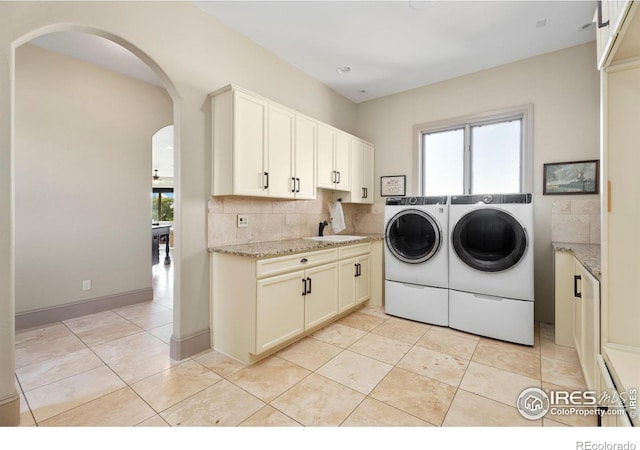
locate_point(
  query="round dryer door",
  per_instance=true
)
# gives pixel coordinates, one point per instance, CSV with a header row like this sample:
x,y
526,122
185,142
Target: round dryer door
x,y
413,236
489,240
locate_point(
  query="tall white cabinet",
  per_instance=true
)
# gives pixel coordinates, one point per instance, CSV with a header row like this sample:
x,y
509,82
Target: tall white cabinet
x,y
619,60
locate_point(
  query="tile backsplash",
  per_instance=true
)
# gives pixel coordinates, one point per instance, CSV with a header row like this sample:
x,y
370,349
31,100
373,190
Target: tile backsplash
x,y
273,220
576,220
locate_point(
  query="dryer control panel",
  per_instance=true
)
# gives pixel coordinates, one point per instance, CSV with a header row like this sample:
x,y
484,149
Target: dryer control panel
x,y
490,199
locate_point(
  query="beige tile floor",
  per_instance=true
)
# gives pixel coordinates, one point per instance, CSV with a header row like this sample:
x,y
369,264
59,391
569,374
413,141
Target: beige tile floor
x,y
368,369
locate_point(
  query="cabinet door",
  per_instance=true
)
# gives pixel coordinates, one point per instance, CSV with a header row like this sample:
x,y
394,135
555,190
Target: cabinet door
x,y
347,284
279,309
578,320
367,172
305,158
622,221
279,152
342,161
564,268
363,280
324,163
357,186
590,326
249,144
321,301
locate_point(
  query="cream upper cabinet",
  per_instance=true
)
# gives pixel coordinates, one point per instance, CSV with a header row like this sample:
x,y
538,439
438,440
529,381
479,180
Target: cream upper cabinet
x,y
334,159
609,18
239,129
326,174
264,149
280,180
362,160
304,175
343,161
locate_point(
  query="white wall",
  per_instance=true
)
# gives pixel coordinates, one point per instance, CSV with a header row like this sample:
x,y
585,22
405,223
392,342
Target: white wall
x,y
562,86
197,55
83,159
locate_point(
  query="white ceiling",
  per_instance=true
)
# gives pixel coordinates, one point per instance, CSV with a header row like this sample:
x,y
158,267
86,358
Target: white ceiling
x,y
390,46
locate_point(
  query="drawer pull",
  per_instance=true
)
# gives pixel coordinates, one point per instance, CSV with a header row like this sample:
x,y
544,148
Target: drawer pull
x,y
575,286
304,261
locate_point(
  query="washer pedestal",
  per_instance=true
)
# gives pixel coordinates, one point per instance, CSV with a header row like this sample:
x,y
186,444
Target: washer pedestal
x,y
415,302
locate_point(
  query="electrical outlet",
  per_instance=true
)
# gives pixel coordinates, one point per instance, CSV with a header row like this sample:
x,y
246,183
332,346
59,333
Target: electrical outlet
x,y
86,285
243,221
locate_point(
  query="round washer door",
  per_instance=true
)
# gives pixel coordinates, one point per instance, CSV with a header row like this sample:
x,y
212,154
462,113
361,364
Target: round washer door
x,y
413,236
489,240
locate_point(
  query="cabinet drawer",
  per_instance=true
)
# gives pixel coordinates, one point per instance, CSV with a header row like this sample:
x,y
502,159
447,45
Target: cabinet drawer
x,y
349,251
297,261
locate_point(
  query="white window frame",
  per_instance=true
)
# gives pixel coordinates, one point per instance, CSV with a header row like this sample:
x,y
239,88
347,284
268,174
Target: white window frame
x,y
525,113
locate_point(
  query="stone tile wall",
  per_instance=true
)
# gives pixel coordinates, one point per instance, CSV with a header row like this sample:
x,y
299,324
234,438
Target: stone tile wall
x,y
273,220
576,220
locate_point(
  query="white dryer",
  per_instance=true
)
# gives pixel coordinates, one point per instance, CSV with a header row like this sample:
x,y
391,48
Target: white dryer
x,y
416,258
491,266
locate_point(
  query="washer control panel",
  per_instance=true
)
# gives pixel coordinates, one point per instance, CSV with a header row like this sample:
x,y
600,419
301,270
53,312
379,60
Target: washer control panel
x,y
414,201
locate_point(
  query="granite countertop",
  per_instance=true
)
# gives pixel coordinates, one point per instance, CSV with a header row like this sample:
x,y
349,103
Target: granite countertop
x,y
275,248
587,254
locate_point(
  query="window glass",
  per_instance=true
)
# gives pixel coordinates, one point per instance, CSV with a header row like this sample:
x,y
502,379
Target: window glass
x,y
162,205
443,163
484,155
495,157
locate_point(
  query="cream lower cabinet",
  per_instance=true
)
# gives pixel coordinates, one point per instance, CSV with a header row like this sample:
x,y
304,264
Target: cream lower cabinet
x,y
577,306
260,305
586,319
612,413
287,305
355,276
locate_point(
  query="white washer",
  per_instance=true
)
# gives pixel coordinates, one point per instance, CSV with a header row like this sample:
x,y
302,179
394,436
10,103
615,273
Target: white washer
x,y
416,259
491,266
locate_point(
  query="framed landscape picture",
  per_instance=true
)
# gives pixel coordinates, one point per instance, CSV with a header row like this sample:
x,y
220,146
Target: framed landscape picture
x,y
566,178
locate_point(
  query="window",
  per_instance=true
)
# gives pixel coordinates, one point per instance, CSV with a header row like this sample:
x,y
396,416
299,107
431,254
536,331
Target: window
x,y
162,204
485,154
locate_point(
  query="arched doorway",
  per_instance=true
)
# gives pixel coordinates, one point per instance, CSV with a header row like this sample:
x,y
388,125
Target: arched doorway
x,y
97,176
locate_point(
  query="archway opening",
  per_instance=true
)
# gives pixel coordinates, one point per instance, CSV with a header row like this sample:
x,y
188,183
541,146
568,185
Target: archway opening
x,y
83,238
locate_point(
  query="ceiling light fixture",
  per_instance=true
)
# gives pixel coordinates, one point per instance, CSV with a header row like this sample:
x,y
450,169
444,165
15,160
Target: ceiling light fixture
x,y
155,175
343,70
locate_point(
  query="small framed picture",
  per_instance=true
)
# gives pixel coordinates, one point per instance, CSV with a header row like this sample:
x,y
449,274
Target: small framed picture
x,y
568,178
393,186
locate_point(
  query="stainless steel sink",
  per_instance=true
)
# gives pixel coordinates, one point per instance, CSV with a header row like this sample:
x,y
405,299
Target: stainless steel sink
x,y
335,238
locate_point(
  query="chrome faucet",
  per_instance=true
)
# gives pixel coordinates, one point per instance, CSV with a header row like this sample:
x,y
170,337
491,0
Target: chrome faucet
x,y
321,228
